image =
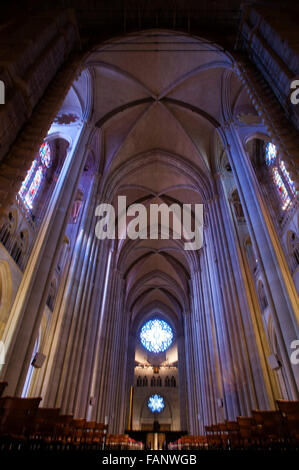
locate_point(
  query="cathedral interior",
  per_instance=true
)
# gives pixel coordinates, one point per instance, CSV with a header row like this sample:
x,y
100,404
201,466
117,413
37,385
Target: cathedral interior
x,y
140,341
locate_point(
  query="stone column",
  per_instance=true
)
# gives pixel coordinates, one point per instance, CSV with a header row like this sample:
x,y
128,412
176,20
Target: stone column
x,y
22,327
74,317
209,311
279,285
184,404
240,394
129,374
265,384
86,392
198,364
191,376
120,365
230,402
205,353
109,368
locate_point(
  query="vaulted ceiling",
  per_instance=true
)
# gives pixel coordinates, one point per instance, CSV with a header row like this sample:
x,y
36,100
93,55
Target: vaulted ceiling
x,y
158,99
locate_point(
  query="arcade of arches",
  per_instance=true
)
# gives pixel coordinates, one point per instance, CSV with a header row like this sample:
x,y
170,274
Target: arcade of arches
x,y
158,116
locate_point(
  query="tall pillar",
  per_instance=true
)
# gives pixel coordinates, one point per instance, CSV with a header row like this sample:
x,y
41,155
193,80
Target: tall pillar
x,y
22,327
182,373
71,333
209,312
109,368
129,375
221,308
199,370
86,392
194,407
206,350
279,285
120,366
70,324
240,391
265,383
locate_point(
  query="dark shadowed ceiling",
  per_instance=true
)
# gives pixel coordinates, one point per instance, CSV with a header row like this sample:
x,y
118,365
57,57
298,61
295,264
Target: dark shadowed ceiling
x,y
102,19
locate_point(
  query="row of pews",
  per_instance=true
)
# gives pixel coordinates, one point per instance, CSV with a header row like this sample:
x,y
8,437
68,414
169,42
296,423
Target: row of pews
x,y
25,425
278,429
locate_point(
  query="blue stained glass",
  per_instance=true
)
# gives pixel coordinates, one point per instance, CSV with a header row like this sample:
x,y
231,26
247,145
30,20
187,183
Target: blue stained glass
x,y
156,403
270,153
32,182
45,154
34,187
156,335
281,177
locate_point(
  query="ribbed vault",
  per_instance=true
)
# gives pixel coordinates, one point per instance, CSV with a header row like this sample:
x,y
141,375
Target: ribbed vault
x,y
160,98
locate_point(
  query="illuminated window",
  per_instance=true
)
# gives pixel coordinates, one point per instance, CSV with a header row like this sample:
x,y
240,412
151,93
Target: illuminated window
x,y
156,335
287,177
34,187
45,154
282,180
270,153
156,403
34,178
281,189
28,178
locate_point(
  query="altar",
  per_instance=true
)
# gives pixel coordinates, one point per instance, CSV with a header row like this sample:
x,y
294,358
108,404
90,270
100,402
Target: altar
x,y
154,439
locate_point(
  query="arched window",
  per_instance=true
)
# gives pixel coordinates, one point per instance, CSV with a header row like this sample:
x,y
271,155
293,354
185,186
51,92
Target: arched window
x,y
173,381
34,178
153,382
167,381
139,381
281,178
159,382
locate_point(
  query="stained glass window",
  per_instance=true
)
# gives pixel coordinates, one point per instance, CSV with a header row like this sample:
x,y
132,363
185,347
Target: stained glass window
x,y
28,178
156,403
287,177
282,180
281,189
33,180
45,154
270,153
156,335
34,187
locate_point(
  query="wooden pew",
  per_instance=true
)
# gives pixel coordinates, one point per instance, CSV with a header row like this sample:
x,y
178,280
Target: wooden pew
x,y
17,415
290,413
